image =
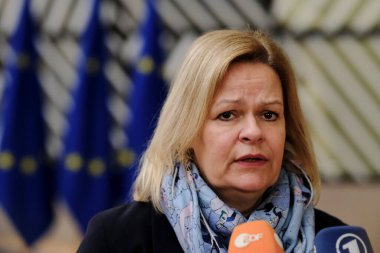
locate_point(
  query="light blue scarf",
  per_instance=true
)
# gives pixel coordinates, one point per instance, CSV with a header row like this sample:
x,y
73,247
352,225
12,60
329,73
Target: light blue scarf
x,y
204,223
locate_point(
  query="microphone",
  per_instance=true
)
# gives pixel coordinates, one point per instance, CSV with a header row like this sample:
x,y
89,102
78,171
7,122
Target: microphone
x,y
342,239
255,236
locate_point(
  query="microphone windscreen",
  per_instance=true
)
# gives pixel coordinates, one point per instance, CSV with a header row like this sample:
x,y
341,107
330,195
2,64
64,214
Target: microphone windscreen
x,y
343,239
254,236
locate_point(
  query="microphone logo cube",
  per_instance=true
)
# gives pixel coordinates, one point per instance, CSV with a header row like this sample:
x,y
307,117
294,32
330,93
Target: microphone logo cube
x,y
244,239
255,236
342,239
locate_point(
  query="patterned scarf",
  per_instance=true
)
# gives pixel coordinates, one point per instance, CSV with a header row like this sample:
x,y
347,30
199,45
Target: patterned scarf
x,y
204,223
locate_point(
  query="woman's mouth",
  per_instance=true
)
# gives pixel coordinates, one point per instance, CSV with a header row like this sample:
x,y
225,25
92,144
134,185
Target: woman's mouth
x,y
251,161
252,158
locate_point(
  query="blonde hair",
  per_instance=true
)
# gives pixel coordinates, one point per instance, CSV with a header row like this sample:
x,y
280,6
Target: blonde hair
x,y
189,99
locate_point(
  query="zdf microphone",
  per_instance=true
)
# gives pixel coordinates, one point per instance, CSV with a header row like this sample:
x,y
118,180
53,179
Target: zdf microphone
x,y
342,239
255,236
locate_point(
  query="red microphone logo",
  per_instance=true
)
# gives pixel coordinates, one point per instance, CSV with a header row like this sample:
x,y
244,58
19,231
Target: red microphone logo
x,y
255,236
244,239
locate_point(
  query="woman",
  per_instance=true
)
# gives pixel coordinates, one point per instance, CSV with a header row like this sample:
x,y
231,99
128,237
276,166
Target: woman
x,y
231,145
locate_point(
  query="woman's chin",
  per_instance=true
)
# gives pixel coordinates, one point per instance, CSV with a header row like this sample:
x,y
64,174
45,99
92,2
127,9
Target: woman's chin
x,y
253,184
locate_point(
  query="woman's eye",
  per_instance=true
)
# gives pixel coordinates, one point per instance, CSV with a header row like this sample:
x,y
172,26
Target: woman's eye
x,y
225,116
270,116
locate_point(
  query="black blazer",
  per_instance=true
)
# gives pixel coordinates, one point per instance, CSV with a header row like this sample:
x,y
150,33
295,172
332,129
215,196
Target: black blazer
x,y
138,228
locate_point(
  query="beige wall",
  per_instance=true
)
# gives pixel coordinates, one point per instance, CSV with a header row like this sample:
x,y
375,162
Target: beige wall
x,y
354,204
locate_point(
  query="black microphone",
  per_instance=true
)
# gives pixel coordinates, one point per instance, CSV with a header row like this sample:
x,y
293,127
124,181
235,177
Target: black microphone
x,y
342,239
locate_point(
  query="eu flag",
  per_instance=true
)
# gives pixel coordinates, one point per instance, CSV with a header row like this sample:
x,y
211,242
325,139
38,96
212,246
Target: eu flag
x,y
147,95
85,166
25,192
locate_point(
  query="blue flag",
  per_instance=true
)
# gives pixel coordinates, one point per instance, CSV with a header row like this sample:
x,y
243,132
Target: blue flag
x,y
147,95
85,166
25,188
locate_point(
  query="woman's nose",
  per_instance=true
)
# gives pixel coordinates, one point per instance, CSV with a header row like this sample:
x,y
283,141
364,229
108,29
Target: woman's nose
x,y
251,131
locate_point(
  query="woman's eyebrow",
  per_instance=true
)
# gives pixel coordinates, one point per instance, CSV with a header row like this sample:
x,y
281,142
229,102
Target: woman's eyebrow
x,y
228,101
272,101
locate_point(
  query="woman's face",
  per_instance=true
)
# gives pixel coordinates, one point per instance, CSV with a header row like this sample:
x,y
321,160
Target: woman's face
x,y
239,149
